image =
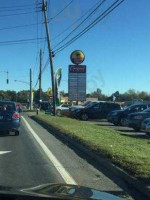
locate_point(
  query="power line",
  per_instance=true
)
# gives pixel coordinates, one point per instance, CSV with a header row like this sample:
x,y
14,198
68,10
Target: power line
x,y
62,9
16,43
27,5
21,26
22,40
75,22
93,11
25,13
17,9
97,20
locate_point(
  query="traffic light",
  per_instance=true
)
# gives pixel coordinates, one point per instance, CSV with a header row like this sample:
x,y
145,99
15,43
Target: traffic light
x,y
7,81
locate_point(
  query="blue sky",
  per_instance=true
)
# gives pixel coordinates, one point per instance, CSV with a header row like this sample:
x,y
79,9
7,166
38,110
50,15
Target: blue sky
x,y
117,49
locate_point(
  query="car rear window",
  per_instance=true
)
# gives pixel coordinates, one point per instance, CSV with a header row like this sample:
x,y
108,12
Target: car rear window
x,y
4,106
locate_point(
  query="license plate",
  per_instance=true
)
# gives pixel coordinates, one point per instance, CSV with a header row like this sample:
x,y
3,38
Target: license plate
x,y
1,117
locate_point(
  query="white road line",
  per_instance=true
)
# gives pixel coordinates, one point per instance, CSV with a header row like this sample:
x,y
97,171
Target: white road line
x,y
3,152
65,175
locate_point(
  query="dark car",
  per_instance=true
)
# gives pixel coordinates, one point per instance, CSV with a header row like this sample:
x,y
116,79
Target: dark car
x,y
9,117
95,110
135,119
119,117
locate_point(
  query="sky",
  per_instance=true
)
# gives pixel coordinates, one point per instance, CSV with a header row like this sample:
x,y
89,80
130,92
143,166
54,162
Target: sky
x,y
116,50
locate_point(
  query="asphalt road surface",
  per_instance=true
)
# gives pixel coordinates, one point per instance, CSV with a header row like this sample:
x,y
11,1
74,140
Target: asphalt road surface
x,y
36,157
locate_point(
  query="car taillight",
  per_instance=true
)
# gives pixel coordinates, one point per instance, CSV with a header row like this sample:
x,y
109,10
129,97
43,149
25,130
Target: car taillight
x,y
16,116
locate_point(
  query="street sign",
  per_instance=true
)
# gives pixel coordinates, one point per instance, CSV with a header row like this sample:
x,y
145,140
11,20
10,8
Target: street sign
x,y
77,83
77,57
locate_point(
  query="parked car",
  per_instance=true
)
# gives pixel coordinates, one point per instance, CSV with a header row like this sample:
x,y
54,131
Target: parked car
x,y
119,117
144,123
135,119
95,110
62,109
9,117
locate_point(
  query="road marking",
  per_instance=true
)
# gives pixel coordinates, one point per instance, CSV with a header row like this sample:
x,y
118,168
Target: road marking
x,y
3,152
65,175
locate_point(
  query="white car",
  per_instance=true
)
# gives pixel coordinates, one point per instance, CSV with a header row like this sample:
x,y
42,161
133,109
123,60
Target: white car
x,y
62,109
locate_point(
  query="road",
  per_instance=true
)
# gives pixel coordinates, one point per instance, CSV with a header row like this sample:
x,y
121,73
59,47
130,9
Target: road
x,y
36,157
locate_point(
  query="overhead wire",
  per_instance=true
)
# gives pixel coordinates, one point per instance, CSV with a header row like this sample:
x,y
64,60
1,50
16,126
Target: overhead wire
x,y
16,14
91,13
62,10
97,20
74,23
19,6
22,40
16,27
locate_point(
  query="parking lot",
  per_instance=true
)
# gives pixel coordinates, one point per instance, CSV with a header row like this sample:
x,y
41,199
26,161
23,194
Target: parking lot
x,y
125,130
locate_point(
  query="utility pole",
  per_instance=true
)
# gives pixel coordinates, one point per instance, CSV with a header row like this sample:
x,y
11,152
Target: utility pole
x,y
44,8
31,100
40,76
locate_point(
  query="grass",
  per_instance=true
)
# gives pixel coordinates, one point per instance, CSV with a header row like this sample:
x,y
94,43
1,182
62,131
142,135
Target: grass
x,y
132,154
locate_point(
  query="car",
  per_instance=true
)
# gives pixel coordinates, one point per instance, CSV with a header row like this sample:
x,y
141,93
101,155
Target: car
x,y
135,119
9,117
144,123
147,129
119,117
62,109
95,110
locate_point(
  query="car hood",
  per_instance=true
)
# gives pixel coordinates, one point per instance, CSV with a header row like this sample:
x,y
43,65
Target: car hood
x,y
60,191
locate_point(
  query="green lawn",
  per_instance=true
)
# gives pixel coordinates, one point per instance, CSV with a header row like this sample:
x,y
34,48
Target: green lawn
x,y
132,154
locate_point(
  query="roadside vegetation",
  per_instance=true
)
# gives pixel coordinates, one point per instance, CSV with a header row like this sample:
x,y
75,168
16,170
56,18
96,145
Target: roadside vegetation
x,y
128,152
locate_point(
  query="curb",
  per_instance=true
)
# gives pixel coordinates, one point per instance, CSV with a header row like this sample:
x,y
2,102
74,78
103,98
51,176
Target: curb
x,y
133,182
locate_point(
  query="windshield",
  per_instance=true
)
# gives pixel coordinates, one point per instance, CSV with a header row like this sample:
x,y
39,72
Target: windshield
x,y
67,68
91,104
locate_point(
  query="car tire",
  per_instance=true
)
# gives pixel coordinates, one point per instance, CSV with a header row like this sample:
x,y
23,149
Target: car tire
x,y
123,122
84,117
137,129
58,113
116,123
16,133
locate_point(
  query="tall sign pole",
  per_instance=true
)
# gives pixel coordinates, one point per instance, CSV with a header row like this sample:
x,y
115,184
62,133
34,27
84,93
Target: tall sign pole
x,y
44,8
40,76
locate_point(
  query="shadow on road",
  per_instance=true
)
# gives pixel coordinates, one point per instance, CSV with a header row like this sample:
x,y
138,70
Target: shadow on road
x,y
107,125
137,136
3,134
128,131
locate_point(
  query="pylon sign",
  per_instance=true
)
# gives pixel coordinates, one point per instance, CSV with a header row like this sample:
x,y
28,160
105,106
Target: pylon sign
x,y
77,57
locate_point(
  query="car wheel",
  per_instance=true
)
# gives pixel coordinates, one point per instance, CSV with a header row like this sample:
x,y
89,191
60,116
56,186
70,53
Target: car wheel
x,y
84,117
116,123
147,133
58,113
137,129
124,122
16,133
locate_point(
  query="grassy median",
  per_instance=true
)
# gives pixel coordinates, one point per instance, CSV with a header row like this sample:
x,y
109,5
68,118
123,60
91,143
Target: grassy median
x,y
132,154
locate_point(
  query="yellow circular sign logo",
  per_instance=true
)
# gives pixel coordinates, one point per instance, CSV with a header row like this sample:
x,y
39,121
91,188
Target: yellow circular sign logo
x,y
77,57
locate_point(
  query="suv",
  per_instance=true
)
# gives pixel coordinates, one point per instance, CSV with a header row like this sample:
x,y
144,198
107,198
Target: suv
x,y
95,110
9,117
119,117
